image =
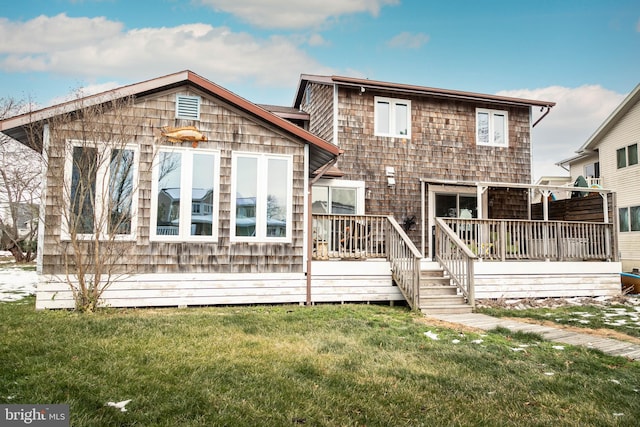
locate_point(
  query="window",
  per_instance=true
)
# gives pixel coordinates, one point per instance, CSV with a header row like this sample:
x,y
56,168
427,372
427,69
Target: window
x,y
337,196
629,218
101,191
627,156
456,206
185,184
492,127
592,170
261,197
392,117
187,107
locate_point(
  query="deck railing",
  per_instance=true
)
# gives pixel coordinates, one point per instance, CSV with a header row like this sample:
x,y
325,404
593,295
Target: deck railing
x,y
501,240
405,261
370,236
456,258
348,236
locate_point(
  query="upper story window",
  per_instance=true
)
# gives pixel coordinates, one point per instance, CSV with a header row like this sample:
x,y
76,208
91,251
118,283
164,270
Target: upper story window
x,y
261,197
100,185
392,117
187,107
592,170
627,156
492,127
185,202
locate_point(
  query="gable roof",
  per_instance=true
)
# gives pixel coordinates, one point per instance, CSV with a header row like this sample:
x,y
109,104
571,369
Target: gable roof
x,y
412,89
321,151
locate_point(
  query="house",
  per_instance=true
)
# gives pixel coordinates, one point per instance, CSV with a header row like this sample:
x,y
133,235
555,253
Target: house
x,y
222,221
444,163
425,192
609,159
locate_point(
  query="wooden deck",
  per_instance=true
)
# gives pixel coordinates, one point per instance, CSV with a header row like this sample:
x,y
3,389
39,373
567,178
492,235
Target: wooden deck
x,y
486,323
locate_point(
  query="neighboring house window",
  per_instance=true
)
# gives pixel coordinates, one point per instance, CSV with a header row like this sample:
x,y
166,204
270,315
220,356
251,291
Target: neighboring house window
x,y
629,218
185,185
627,156
592,170
336,196
492,127
187,107
392,117
261,197
101,191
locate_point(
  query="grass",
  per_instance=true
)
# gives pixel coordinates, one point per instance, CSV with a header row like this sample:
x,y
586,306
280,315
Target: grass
x,y
328,365
621,318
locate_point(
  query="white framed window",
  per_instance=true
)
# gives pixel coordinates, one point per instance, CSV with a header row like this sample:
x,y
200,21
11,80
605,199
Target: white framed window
x,y
101,192
392,117
184,205
187,107
261,197
338,196
492,127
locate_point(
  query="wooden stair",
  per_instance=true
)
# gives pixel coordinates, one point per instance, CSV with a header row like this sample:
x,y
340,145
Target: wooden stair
x,y
437,295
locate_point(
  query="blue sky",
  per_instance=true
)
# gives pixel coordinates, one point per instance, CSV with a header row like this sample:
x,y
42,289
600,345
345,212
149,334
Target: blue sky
x,y
584,55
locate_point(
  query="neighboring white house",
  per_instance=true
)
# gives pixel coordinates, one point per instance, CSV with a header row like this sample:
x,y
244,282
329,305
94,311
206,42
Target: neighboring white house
x,y
609,158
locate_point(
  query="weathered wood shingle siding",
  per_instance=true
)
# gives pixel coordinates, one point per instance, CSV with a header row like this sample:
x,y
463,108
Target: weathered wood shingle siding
x,y
442,147
227,130
318,102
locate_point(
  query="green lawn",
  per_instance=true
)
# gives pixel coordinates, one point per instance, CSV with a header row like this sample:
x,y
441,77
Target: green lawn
x,y
327,365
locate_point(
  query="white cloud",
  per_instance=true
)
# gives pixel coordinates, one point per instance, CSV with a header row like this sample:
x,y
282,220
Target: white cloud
x,y
407,40
577,114
295,14
317,40
97,47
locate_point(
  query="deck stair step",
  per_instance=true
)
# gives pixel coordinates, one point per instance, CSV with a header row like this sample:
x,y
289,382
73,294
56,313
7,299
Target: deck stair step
x,y
437,295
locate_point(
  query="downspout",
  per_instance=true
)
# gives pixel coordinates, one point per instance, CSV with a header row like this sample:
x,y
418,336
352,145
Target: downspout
x,y
46,142
548,107
315,179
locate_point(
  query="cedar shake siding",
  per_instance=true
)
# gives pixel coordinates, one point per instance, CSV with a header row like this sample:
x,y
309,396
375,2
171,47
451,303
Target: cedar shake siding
x,y
442,146
228,129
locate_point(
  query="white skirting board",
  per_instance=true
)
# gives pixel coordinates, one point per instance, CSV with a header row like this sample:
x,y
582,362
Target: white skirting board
x,y
546,279
332,282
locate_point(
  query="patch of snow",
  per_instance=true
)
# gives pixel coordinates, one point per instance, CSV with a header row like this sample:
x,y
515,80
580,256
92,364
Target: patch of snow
x,y
477,341
558,347
16,283
549,374
431,335
455,341
614,381
119,405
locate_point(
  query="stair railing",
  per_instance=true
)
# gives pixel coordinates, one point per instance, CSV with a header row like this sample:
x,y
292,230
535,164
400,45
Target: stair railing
x,y
405,261
456,258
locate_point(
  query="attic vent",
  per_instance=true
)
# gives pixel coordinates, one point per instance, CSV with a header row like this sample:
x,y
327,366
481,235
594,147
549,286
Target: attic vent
x,y
188,107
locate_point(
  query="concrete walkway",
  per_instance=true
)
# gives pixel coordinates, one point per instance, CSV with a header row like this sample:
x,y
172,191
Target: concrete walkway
x,y
606,345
